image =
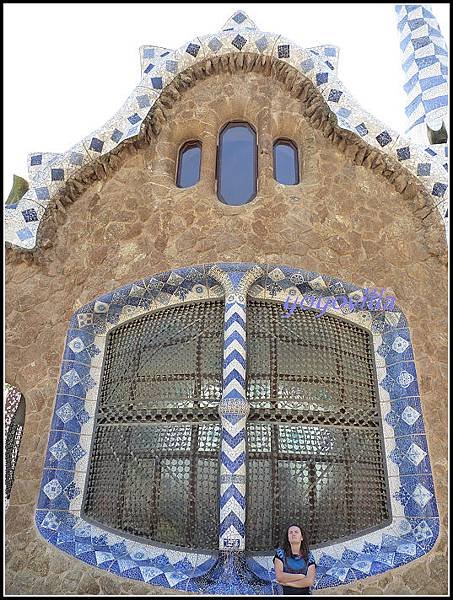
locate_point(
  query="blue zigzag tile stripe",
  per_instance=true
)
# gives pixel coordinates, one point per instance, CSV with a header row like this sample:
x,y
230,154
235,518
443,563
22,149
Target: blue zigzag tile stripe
x,y
233,404
415,517
49,173
425,65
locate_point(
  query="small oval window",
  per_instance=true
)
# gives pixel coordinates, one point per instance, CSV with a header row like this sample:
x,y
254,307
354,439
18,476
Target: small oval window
x,y
237,164
189,163
286,162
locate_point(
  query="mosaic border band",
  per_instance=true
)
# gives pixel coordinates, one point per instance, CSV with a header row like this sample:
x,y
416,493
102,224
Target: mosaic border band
x,y
415,521
48,172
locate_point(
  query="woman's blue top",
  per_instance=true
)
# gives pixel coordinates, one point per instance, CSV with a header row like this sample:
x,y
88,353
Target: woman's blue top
x,y
295,564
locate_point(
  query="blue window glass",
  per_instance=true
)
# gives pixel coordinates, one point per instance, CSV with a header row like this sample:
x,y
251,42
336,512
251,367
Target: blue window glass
x,y
286,162
189,164
237,164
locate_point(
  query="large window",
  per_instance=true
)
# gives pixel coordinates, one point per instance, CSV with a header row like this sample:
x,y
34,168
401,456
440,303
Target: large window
x,y
237,164
154,460
315,452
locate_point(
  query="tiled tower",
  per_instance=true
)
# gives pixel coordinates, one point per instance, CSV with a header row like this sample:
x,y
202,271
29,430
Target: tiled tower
x,y
425,64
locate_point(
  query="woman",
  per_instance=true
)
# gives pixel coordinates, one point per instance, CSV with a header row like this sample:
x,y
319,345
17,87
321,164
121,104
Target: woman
x,y
294,564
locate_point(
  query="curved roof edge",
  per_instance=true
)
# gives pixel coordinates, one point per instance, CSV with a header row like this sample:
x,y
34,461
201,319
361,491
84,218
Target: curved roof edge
x,y
48,172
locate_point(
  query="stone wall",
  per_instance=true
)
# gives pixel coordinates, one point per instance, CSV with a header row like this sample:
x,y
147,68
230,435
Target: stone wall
x,y
344,220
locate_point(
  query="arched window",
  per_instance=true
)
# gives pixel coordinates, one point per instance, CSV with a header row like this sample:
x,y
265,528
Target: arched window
x,y
154,459
189,163
237,158
286,162
315,448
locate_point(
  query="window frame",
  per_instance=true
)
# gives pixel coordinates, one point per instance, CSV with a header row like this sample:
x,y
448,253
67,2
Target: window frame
x,y
182,148
235,123
286,142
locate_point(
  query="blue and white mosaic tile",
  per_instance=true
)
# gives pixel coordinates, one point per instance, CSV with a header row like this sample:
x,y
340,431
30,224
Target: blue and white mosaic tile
x,y
425,65
48,172
415,523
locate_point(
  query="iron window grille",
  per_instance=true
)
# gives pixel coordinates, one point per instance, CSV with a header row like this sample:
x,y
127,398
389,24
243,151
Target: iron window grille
x,y
155,452
314,444
315,448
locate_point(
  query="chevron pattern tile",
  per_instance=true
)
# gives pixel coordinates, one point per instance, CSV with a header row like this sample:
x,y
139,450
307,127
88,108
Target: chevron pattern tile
x,y
425,65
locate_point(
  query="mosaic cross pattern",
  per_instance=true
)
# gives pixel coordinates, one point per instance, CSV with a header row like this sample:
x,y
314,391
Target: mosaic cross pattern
x,y
49,172
414,525
425,64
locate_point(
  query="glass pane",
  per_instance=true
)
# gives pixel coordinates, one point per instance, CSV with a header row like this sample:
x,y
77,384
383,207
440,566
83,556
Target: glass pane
x,y
189,165
286,167
237,164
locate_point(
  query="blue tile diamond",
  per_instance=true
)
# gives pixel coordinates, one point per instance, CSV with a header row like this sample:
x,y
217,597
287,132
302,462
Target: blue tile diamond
x,y
239,42
135,118
193,49
57,174
423,169
76,158
239,18
283,51
116,135
334,95
215,44
24,234
171,65
96,144
439,189
403,153
157,85
143,101
30,215
384,138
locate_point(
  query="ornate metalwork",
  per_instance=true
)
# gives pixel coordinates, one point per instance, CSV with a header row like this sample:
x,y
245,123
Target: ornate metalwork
x,y
315,451
155,455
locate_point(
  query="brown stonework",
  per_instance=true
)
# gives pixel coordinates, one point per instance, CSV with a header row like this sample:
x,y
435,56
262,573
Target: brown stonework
x,y
343,219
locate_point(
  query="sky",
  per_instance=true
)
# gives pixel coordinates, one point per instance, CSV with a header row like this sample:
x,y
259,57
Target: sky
x,y
68,67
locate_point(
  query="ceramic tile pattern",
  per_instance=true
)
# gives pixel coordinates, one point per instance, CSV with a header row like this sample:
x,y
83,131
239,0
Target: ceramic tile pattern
x,y
49,172
425,64
415,523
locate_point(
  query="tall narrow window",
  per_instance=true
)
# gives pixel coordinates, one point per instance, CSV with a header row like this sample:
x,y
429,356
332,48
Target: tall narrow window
x,y
189,163
286,162
237,164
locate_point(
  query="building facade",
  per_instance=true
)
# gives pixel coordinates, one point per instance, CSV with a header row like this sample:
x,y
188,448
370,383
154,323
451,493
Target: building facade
x,y
175,422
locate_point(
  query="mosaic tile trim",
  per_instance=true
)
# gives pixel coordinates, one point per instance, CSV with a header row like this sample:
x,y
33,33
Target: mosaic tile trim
x,y
49,172
425,65
415,521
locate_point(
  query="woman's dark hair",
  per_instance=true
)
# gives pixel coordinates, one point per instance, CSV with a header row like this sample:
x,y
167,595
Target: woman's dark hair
x,y
286,546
